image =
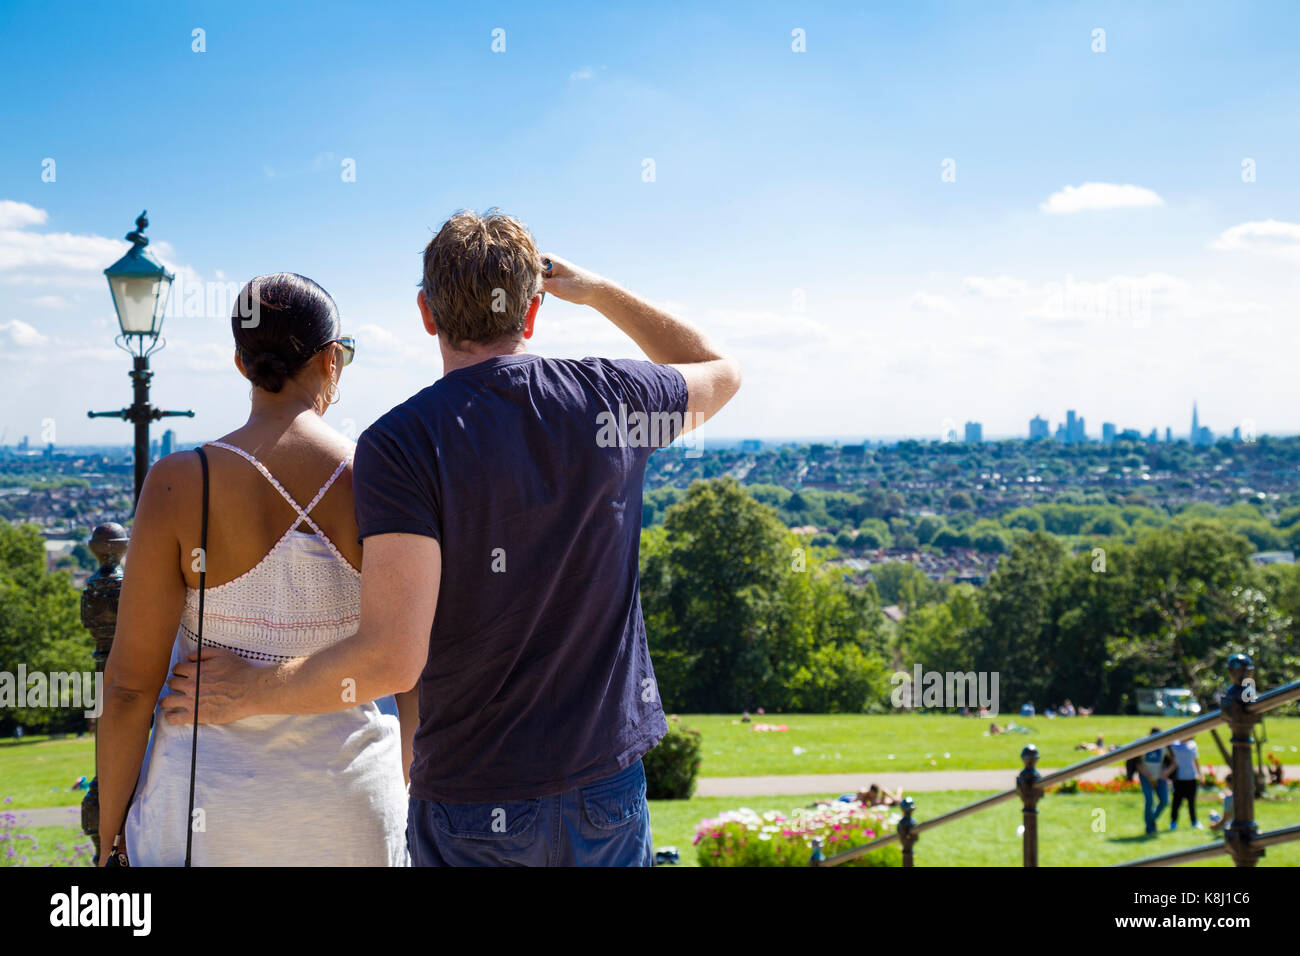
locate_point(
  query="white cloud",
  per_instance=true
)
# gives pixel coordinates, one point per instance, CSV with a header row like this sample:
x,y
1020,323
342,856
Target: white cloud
x,y
1269,237
926,302
18,214
1001,287
1094,196
585,73
51,302
22,335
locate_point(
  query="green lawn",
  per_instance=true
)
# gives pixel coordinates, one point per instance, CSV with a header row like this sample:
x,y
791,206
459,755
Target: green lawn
x,y
908,742
39,772
1066,836
44,846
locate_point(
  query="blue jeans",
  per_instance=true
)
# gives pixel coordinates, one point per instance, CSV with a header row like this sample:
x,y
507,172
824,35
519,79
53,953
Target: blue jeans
x,y
1150,791
606,823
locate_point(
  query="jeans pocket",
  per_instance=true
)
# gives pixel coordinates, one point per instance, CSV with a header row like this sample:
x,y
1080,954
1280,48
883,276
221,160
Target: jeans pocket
x,y
504,820
618,801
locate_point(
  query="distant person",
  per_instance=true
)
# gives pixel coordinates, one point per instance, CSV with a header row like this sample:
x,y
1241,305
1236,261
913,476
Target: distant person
x,y
1026,709
1219,820
994,729
1093,748
1067,708
877,796
1153,775
1187,774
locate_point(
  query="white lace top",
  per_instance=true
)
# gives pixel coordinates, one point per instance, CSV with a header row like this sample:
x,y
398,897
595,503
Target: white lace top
x,y
300,790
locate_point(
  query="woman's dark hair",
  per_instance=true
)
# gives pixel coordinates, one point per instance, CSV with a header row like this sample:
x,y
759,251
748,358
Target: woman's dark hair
x,y
280,321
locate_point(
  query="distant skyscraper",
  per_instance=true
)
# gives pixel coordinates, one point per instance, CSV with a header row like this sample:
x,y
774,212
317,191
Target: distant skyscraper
x,y
1074,430
168,442
1107,433
1236,433
1038,428
153,450
1169,434
1153,437
1195,435
974,433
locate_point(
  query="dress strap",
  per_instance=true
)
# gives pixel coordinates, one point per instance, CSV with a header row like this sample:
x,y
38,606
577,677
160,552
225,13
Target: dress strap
x,y
303,513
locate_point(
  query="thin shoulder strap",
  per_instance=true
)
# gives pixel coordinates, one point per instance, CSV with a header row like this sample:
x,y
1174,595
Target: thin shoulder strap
x,y
198,664
326,487
303,513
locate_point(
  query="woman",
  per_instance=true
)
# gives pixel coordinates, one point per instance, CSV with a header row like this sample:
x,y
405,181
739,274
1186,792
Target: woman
x,y
281,582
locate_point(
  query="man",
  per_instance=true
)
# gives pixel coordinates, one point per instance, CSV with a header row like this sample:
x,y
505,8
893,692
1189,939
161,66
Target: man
x,y
1153,775
506,497
1186,775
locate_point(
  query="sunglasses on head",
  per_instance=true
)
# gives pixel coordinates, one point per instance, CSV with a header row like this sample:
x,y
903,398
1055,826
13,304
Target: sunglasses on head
x,y
349,344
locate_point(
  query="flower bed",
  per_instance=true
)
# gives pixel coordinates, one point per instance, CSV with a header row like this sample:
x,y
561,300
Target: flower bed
x,y
746,838
1119,785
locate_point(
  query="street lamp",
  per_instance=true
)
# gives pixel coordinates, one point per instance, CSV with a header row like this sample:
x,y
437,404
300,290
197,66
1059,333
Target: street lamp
x,y
140,285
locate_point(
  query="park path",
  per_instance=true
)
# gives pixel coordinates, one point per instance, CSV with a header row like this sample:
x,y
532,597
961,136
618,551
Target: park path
x,y
920,781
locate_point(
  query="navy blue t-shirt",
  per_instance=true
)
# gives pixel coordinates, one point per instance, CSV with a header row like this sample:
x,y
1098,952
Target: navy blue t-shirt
x,y
528,471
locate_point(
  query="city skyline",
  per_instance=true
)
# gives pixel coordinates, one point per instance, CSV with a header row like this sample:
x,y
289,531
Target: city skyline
x,y
986,237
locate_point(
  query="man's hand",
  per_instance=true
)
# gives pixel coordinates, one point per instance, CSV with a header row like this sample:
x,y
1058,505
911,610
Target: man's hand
x,y
226,685
570,283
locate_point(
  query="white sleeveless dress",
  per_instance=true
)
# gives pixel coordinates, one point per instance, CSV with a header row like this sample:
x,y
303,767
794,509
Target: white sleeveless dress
x,y
302,790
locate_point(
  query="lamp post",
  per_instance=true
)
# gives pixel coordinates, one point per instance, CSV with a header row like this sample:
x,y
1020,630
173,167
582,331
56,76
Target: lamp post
x,y
140,285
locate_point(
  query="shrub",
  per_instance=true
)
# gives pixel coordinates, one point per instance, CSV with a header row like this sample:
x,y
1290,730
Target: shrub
x,y
745,838
672,767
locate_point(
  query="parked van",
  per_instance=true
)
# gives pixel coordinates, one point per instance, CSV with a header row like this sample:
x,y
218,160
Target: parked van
x,y
1167,702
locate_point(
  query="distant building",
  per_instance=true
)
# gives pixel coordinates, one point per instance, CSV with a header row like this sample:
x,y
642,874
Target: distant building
x,y
1236,433
1108,433
1153,437
974,433
1038,428
24,444
1130,434
1074,432
169,443
1169,434
153,449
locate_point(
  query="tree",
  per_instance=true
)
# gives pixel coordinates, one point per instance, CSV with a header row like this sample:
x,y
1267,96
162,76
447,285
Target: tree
x,y
741,613
40,625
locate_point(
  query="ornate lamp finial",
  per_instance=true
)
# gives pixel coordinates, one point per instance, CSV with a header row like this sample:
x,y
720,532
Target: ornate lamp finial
x,y
138,237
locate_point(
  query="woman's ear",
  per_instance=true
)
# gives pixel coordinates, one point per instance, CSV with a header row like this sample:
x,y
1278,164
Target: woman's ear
x,y
239,364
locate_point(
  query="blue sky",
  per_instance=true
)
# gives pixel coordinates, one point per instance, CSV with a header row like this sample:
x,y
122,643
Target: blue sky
x,y
798,211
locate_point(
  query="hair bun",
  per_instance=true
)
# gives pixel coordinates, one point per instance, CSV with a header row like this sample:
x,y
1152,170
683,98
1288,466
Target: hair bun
x,y
268,370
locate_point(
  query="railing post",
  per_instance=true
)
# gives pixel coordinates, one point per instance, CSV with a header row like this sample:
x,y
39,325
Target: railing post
x,y
99,616
817,855
906,828
1234,703
1027,784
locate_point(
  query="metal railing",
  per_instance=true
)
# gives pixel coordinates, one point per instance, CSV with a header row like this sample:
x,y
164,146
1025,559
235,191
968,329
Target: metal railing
x,y
1240,708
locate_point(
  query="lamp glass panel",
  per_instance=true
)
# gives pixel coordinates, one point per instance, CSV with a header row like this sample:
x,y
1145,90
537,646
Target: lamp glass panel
x,y
137,305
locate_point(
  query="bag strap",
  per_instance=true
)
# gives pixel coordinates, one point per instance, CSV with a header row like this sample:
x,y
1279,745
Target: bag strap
x,y
198,664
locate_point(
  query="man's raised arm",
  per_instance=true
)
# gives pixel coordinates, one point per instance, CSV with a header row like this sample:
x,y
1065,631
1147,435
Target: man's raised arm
x,y
400,574
712,379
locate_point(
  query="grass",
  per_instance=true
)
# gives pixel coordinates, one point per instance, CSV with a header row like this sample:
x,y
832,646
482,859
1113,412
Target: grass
x,y
853,743
1065,836
40,772
44,846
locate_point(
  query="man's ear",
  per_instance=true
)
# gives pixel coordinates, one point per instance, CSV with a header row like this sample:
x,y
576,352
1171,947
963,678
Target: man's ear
x,y
531,317
426,313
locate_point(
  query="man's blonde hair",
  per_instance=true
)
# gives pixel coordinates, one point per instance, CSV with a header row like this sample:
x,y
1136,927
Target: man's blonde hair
x,y
480,274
